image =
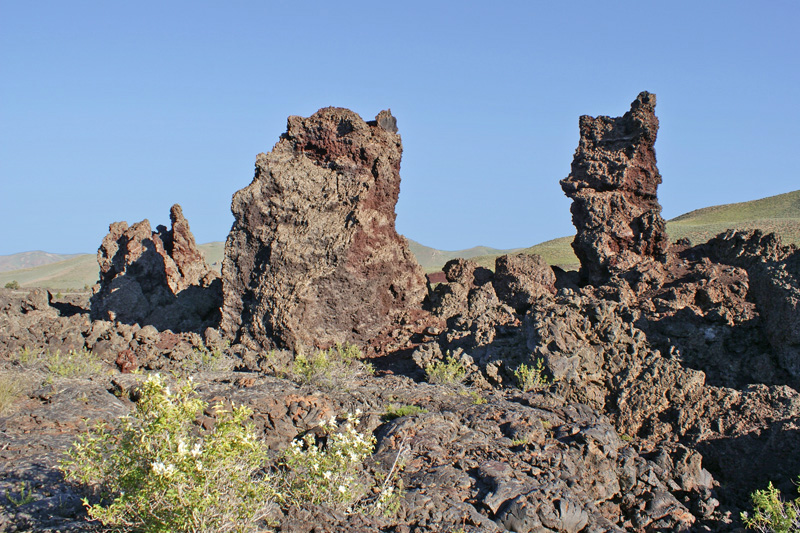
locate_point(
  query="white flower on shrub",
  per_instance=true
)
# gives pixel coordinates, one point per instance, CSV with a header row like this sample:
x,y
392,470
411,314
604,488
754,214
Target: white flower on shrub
x,y
161,469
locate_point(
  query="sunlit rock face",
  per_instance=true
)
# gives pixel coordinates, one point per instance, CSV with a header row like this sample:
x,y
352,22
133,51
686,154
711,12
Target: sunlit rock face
x,y
313,257
613,186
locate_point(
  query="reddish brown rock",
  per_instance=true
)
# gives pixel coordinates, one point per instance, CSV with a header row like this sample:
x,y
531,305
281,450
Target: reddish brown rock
x,y
313,257
155,278
613,187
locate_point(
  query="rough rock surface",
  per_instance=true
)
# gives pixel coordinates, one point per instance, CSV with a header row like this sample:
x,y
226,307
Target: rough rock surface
x,y
521,279
155,278
774,271
313,258
613,187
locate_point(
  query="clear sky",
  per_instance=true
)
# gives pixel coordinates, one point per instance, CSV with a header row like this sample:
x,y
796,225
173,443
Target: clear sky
x,y
115,110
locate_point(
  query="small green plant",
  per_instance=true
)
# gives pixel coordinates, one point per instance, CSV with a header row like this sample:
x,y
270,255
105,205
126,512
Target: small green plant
x,y
477,399
25,495
448,372
329,368
397,411
27,357
73,364
625,437
531,377
11,387
152,471
772,513
12,285
205,360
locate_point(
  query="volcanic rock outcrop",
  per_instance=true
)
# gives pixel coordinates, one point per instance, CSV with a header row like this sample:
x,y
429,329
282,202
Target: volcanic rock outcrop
x,y
774,272
155,278
313,258
613,187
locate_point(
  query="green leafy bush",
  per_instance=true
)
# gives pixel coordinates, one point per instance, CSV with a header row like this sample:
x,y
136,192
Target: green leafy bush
x,y
772,513
154,471
448,372
531,377
12,285
151,471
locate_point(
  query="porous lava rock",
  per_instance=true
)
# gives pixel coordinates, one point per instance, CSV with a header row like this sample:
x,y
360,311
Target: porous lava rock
x,y
613,187
155,278
313,257
774,272
521,279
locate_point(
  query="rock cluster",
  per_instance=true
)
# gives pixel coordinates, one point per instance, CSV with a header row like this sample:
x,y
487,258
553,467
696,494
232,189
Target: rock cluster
x,y
313,257
613,187
155,278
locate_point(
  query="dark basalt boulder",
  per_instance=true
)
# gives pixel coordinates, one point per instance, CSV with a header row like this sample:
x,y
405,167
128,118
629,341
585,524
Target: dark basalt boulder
x,y
155,278
613,187
521,279
313,257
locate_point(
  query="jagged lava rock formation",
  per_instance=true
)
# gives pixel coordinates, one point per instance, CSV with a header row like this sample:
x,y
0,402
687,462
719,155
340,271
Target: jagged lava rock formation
x,y
155,278
313,257
613,187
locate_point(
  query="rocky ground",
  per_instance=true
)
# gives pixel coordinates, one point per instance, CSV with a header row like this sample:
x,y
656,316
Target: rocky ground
x,y
669,379
629,436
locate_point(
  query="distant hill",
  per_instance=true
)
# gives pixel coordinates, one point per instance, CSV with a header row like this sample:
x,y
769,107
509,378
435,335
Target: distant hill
x,y
779,214
80,271
432,260
555,252
30,260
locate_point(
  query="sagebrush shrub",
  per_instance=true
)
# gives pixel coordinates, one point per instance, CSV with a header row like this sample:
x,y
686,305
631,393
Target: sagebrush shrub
x,y
152,471
73,364
11,388
448,372
531,377
330,368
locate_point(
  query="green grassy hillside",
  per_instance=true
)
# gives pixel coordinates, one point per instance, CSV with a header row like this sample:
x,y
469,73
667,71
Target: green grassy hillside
x,y
776,214
556,252
779,214
75,273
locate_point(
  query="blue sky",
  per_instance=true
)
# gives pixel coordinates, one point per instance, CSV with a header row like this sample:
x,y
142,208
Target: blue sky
x,y
116,110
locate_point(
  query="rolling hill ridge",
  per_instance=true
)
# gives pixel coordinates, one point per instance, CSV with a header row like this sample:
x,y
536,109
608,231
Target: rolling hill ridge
x,y
779,214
